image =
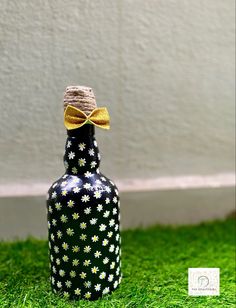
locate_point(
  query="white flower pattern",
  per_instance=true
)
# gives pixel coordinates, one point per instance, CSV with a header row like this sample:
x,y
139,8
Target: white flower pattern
x,y
83,221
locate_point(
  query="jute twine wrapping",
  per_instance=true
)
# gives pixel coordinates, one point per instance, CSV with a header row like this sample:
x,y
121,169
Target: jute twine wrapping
x,y
80,97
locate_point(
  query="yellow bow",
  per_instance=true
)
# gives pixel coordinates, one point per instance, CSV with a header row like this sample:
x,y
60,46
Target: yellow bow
x,y
75,118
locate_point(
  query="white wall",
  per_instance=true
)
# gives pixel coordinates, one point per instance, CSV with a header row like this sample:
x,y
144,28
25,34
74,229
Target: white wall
x,y
164,69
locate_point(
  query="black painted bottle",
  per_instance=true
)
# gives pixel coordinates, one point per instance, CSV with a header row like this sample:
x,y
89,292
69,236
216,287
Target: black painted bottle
x,y
83,223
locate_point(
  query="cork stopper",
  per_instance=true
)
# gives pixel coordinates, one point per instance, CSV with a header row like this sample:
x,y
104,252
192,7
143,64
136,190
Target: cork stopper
x,y
81,97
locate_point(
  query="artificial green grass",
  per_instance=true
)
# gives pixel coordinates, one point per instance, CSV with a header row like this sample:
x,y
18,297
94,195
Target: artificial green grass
x,y
155,263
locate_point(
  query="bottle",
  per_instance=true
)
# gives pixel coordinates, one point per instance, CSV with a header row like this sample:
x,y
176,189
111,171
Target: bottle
x,y
83,214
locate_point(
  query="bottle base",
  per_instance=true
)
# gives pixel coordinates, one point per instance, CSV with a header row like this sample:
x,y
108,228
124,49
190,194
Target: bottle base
x,y
91,296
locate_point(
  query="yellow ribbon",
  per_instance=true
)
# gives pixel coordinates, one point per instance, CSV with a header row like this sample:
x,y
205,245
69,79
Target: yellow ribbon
x,y
75,118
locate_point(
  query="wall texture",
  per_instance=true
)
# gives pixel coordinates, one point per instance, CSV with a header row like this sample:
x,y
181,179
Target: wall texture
x,y
164,69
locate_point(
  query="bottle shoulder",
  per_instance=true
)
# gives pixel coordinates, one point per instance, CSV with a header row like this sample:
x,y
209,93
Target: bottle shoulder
x,y
89,186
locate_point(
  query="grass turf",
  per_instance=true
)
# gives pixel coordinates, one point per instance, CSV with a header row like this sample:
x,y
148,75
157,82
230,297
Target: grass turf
x,y
155,262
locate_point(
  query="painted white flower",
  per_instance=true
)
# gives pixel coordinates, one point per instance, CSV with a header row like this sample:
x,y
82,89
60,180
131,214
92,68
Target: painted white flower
x,y
102,275
83,275
91,152
87,186
87,284
98,182
112,248
70,231
115,200
68,144
58,206
83,237
59,285
66,294
72,274
87,249
106,214
112,266
93,164
106,290
64,192
86,262
65,245
87,295
82,162
75,216
75,262
75,248
82,146
97,287
107,200
117,250
108,189
88,174
65,258
109,234
114,211
85,198
58,262
94,238
97,254
54,222
50,209
62,273
117,237
77,291
97,194
64,218
54,195
54,270
68,283
83,225
99,207
70,203
117,271
71,155
51,258
94,270
65,176
102,227
116,227
111,222
56,249
116,192
93,221
105,242
105,260
103,179
52,237
76,190
115,284
53,280
74,170
87,210
54,185
95,143
75,180
64,183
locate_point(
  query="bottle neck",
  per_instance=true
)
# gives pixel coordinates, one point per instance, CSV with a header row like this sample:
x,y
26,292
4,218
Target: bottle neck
x,y
81,151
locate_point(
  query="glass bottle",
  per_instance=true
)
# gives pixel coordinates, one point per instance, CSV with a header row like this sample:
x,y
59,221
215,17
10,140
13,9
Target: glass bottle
x,y
83,223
